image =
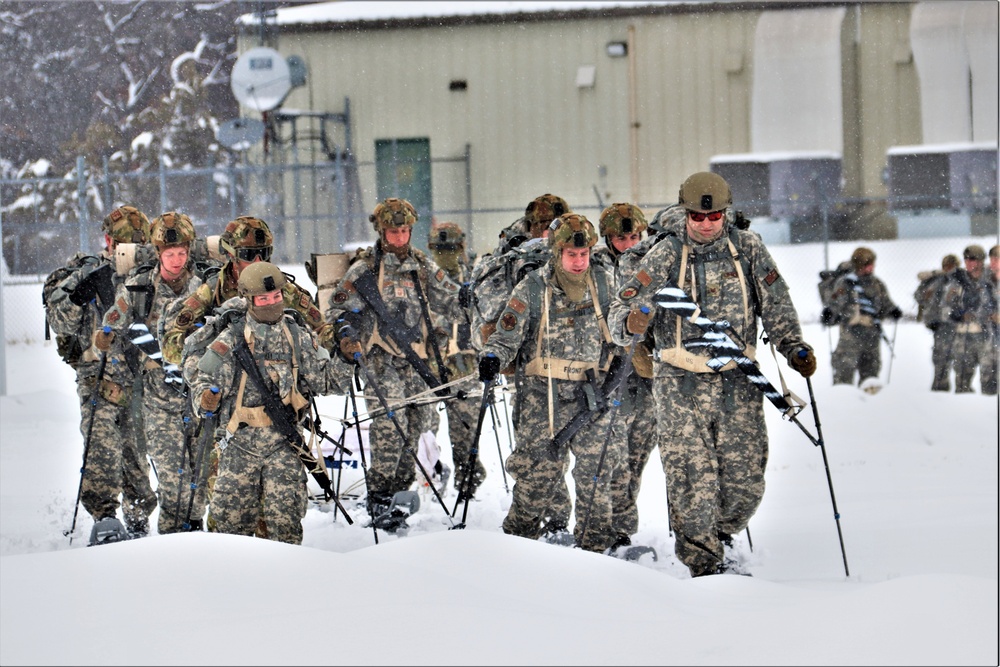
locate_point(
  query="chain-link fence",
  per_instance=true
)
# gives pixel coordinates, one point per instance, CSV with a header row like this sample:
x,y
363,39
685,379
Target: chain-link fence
x,y
322,207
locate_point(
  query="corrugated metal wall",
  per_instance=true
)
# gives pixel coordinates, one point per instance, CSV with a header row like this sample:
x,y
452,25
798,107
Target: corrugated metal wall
x,y
533,130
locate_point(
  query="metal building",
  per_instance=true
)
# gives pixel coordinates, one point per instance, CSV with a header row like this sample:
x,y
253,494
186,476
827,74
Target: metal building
x,y
472,109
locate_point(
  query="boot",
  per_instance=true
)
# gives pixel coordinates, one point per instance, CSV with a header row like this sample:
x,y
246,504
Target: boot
x,y
107,530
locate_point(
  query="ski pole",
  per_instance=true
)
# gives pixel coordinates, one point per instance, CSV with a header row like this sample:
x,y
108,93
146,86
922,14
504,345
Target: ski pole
x,y
186,461
615,403
361,446
373,383
470,468
892,350
86,443
496,434
826,465
208,424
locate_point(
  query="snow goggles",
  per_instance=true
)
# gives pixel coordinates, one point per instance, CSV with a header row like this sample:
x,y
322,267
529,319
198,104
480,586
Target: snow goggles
x,y
250,254
714,216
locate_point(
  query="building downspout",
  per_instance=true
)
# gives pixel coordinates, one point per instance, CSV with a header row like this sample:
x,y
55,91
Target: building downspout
x,y
633,118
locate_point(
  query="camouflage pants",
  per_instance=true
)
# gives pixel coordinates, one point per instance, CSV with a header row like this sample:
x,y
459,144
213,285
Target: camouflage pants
x,y
968,349
174,451
638,415
463,415
941,356
541,500
115,466
858,349
713,446
260,477
988,365
392,467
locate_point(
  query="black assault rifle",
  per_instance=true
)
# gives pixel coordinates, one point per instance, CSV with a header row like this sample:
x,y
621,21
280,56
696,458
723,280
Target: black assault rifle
x,y
367,288
616,375
282,416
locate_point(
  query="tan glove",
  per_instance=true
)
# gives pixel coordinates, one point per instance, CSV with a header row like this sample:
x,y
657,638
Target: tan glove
x,y
638,321
210,399
103,338
348,348
803,361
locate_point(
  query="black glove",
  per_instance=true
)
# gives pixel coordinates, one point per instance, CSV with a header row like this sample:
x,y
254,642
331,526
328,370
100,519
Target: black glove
x,y
933,326
465,296
489,368
895,313
956,315
803,361
96,281
828,317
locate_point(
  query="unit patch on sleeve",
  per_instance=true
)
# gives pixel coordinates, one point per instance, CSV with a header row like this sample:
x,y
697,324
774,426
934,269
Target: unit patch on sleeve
x,y
644,278
517,306
628,293
508,321
771,277
340,297
219,348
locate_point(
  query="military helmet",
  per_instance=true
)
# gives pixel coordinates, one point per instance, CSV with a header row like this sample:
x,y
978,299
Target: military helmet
x,y
246,238
260,278
995,252
705,192
127,224
862,257
543,210
949,262
621,219
393,212
974,252
572,231
171,229
446,236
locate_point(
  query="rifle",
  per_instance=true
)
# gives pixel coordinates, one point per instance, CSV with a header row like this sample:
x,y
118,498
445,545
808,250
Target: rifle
x,y
367,288
616,375
286,423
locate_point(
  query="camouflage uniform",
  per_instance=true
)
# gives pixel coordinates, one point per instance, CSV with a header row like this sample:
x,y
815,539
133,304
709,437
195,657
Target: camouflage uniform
x,y
183,316
447,246
389,471
859,348
115,460
966,303
260,476
637,412
711,429
991,318
543,327
168,424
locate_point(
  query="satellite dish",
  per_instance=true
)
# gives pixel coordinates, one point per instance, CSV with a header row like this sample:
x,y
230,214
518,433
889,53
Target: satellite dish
x,y
240,134
261,79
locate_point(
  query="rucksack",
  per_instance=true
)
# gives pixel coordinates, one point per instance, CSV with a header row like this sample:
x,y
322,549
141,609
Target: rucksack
x,y
928,295
67,345
494,277
827,279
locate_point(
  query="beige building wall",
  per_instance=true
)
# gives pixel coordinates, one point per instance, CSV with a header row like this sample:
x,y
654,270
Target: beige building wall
x,y
534,124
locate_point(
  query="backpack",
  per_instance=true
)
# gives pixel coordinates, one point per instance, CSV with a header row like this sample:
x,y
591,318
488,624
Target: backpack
x,y
929,295
827,279
493,279
67,345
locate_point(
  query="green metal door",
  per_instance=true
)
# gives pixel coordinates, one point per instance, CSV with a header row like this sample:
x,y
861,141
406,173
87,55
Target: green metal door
x,y
403,169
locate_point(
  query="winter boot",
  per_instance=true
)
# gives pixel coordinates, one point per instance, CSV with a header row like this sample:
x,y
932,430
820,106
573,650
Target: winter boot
x,y
393,519
107,530
137,528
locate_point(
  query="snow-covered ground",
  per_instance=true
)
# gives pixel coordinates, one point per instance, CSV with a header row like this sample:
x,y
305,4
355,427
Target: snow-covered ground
x,y
913,475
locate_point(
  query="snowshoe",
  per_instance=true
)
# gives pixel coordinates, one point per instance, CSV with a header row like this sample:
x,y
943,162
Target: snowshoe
x,y
402,505
562,538
107,530
871,386
631,552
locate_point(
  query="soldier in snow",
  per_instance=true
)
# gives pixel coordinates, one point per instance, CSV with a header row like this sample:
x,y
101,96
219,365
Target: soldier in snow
x,y
711,429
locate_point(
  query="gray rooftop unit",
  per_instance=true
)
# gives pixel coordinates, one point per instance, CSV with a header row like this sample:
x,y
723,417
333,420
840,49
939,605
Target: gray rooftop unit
x,y
957,177
781,185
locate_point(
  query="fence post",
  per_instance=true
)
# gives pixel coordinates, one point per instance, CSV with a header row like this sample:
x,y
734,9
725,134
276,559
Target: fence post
x,y
163,185
81,200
